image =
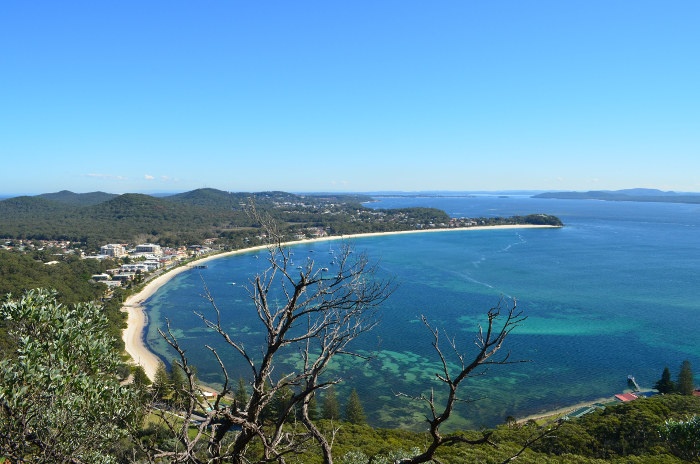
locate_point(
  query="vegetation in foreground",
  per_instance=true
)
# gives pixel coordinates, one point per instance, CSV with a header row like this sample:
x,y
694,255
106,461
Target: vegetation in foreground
x,y
61,402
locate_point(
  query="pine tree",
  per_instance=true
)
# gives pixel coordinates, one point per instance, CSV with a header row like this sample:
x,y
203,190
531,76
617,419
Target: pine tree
x,y
280,402
241,396
354,412
665,384
686,382
330,408
178,383
140,377
161,383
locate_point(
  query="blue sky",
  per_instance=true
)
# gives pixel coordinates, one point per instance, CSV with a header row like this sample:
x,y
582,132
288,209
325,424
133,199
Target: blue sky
x,y
349,96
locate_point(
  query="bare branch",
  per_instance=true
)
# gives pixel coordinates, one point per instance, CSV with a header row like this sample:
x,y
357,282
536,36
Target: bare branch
x,y
488,343
320,316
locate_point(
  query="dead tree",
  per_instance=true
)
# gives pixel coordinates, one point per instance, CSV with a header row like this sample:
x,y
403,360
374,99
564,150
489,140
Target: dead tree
x,y
488,341
314,312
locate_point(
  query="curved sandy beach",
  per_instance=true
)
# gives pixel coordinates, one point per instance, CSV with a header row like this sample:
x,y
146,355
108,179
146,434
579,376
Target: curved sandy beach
x,y
137,320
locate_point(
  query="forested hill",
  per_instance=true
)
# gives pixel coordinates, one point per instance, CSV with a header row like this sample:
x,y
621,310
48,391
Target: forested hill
x,y
78,199
643,195
97,218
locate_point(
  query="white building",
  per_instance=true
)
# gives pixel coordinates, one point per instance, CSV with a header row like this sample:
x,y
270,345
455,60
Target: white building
x,y
114,250
152,264
138,267
149,248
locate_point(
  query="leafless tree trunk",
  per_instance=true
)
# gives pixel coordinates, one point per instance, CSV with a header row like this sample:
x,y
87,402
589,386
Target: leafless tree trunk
x,y
488,341
317,313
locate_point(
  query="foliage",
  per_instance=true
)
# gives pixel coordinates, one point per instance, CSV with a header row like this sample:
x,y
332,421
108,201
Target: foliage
x,y
683,437
140,378
330,408
354,412
161,385
686,382
70,277
627,429
241,395
665,384
61,400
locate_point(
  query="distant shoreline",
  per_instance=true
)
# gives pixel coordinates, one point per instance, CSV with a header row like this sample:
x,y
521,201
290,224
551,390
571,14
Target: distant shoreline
x,y
137,320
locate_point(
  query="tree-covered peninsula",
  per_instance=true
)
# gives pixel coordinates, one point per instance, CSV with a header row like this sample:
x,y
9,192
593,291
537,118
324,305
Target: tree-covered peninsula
x,y
94,219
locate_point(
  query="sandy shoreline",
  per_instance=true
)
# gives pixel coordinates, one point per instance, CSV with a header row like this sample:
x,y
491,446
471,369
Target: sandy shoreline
x,y
557,413
137,320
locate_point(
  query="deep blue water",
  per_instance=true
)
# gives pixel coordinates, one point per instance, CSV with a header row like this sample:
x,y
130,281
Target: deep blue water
x,y
612,293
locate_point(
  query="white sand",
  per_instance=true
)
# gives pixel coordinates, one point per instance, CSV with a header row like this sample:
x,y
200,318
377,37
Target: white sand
x,y
557,413
137,320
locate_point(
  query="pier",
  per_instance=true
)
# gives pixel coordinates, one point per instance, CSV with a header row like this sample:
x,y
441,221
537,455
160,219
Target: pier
x,y
633,383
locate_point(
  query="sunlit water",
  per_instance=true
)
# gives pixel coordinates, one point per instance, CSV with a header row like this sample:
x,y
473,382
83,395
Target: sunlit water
x,y
612,293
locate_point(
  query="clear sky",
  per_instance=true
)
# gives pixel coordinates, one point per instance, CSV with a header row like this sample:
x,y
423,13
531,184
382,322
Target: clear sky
x,y
301,96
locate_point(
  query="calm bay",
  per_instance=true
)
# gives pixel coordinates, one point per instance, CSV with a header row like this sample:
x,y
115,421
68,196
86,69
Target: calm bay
x,y
613,293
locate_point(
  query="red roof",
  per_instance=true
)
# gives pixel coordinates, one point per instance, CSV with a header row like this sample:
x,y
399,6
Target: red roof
x,y
626,397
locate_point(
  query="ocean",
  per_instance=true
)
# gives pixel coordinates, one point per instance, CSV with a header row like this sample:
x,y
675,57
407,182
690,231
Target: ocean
x,y
611,294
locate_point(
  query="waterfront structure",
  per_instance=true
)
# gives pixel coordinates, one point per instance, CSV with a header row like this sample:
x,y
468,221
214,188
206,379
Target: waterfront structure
x,y
114,250
149,248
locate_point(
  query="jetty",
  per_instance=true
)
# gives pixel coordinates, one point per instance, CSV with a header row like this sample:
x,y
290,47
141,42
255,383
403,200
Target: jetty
x,y
633,383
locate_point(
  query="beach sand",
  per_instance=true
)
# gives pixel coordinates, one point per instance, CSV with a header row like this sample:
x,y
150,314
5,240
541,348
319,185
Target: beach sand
x,y
137,321
554,414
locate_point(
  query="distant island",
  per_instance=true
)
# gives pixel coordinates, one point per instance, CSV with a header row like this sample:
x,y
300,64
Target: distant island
x,y
637,194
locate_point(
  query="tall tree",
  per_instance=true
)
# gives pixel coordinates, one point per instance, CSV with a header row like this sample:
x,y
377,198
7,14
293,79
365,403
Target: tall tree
x,y
241,396
686,382
178,384
61,400
665,385
313,408
330,408
161,383
140,377
354,412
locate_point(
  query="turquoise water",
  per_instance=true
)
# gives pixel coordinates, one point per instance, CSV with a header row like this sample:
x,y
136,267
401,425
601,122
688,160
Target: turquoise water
x,y
613,293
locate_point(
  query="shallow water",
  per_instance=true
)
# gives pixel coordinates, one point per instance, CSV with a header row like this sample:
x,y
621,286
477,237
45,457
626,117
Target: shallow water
x,y
610,294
